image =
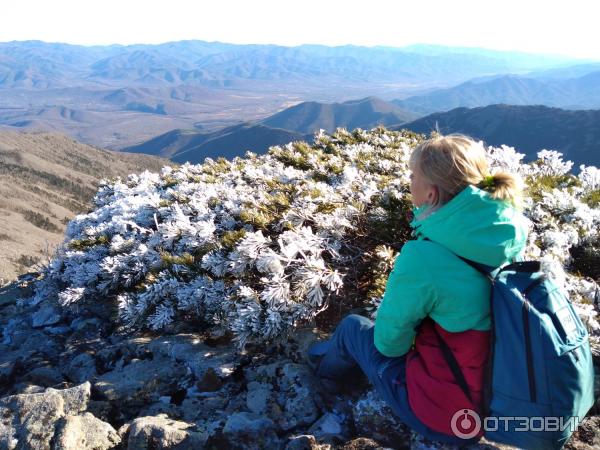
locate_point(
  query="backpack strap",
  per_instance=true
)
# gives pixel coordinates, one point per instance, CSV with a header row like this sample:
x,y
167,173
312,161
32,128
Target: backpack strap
x,y
490,273
453,364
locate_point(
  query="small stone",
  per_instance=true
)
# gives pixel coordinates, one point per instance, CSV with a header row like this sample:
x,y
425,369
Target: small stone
x,y
362,444
209,382
158,408
204,408
305,442
328,427
45,316
258,397
57,331
26,388
7,370
81,368
81,322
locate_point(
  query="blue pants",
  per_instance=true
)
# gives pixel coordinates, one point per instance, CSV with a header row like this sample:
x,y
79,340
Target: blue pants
x,y
352,345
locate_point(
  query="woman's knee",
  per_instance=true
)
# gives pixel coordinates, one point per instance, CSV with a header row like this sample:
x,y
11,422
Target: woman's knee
x,y
355,322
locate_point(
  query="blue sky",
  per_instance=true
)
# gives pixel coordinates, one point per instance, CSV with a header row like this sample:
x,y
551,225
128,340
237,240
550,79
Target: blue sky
x,y
558,27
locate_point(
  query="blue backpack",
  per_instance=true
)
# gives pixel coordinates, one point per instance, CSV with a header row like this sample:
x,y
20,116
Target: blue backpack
x,y
540,374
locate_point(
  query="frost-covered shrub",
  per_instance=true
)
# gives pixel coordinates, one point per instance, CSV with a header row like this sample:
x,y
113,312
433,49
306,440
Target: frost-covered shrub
x,y
259,245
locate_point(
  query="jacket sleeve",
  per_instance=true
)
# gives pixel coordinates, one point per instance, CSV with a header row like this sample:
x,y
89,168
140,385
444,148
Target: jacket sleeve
x,y
409,297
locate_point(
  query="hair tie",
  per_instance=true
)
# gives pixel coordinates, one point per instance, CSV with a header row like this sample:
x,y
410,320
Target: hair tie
x,y
488,182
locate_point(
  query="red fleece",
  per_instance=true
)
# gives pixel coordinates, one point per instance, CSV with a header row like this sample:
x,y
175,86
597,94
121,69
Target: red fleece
x,y
433,394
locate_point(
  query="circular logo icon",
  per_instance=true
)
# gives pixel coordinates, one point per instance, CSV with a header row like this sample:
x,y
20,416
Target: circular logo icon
x,y
465,424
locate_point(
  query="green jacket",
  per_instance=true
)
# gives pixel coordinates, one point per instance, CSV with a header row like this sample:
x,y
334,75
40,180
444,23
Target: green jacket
x,y
429,280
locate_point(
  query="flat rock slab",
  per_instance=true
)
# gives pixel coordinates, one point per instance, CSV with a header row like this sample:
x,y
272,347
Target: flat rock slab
x,y
141,381
200,358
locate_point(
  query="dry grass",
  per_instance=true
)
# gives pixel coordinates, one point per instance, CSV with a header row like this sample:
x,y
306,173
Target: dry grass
x,y
45,180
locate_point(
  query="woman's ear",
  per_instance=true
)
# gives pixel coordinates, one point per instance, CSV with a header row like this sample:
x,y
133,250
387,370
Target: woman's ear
x,y
433,195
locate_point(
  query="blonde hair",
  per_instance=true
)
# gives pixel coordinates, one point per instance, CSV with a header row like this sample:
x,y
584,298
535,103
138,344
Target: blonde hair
x,y
453,162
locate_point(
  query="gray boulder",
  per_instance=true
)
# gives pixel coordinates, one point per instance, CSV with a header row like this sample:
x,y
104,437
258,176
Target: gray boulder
x,y
258,397
28,420
44,376
297,396
249,431
203,408
81,368
85,432
374,418
160,432
290,401
330,427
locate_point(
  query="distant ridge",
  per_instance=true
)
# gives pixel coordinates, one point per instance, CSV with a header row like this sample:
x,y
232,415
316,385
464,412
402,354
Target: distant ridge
x,y
309,117
581,92
189,146
298,122
527,128
36,64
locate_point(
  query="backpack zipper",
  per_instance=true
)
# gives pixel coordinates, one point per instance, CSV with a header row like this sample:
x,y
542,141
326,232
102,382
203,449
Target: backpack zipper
x,y
528,352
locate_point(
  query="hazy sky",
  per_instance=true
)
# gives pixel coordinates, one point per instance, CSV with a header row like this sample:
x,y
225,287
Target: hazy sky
x,y
550,26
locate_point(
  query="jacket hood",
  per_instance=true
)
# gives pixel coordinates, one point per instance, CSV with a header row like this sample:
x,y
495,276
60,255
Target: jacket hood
x,y
477,227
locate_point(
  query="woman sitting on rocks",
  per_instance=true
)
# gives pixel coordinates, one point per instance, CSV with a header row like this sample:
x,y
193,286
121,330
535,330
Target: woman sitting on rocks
x,y
460,209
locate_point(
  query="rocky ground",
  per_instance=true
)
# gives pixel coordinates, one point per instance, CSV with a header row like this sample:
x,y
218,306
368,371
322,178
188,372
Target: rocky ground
x,y
74,381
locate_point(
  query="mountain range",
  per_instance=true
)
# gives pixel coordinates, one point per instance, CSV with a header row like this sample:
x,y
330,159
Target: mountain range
x,y
527,128
118,96
36,64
